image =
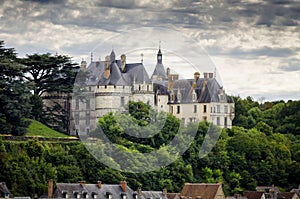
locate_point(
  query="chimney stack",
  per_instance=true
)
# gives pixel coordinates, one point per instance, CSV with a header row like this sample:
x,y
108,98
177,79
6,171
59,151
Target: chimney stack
x,y
82,182
139,191
99,184
165,192
50,188
196,76
123,185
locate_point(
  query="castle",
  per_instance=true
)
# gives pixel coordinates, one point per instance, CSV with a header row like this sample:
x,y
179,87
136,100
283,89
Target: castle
x,y
112,83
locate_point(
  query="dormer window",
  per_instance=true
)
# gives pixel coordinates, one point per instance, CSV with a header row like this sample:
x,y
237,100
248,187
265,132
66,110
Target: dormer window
x,y
134,195
6,195
85,194
123,195
65,194
76,194
109,195
94,195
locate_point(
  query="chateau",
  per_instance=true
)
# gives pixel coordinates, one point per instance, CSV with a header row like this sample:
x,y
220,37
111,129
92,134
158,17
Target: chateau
x,y
112,83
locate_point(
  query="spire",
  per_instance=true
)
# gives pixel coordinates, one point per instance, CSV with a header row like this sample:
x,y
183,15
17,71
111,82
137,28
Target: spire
x,y
159,54
112,56
142,57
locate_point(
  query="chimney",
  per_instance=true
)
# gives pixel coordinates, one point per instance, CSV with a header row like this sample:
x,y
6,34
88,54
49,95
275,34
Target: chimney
x,y
139,191
83,65
123,185
50,188
107,67
168,71
123,62
165,192
82,182
196,76
99,184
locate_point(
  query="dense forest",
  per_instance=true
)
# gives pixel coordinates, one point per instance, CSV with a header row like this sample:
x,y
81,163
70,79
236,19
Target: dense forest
x,y
262,148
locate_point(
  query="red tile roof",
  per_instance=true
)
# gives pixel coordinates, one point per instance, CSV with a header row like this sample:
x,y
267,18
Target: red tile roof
x,y
253,194
200,191
286,195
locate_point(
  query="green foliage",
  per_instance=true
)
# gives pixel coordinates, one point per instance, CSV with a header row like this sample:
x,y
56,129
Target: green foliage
x,y
38,129
14,94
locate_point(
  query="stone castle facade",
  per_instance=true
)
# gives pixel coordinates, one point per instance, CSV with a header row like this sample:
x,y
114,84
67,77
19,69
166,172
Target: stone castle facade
x,y
112,83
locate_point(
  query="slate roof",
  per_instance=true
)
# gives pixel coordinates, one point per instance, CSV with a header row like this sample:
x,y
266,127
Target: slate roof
x,y
159,71
207,90
114,190
4,190
134,73
203,190
253,194
71,188
153,195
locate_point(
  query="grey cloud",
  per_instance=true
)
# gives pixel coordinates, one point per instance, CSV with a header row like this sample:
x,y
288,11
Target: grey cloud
x,y
252,54
290,65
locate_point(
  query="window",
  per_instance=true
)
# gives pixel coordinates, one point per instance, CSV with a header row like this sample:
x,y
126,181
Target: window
x,y
90,88
105,86
88,104
218,108
88,118
139,87
195,108
171,109
218,121
226,109
147,87
77,104
122,101
205,118
225,122
76,118
204,108
178,109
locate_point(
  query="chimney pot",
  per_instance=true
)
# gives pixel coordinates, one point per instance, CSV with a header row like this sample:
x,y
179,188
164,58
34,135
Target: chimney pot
x,y
99,184
50,188
123,185
139,191
82,182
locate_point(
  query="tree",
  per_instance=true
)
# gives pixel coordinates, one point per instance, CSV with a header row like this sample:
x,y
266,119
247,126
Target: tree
x,y
14,94
53,77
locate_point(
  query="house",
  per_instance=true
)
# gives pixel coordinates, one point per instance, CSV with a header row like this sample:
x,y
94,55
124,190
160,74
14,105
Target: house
x,y
287,195
297,191
99,190
4,191
254,195
112,83
202,191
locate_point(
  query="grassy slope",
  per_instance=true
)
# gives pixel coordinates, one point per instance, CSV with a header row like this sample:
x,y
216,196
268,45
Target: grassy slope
x,y
38,129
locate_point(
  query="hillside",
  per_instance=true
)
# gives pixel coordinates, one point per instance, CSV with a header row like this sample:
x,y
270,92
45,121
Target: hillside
x,y
38,129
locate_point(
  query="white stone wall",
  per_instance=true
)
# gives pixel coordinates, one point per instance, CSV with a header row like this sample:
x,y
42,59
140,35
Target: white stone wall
x,y
162,103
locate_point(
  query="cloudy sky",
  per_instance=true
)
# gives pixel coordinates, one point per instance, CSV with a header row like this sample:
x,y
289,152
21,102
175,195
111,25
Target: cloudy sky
x,y
253,44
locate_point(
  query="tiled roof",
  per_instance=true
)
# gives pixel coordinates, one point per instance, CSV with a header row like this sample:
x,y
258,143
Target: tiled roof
x,y
159,71
253,194
134,73
297,191
203,190
90,189
286,195
172,195
153,195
